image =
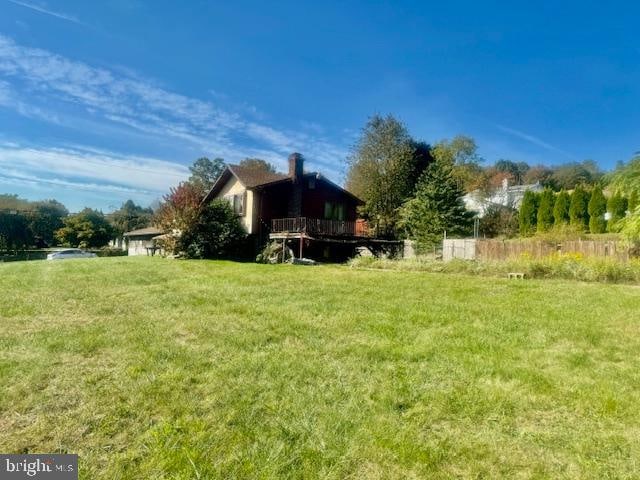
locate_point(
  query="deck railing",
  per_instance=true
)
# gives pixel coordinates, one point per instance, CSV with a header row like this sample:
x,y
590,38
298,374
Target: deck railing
x,y
318,226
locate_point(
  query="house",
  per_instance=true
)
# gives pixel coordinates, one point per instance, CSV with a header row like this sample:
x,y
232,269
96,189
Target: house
x,y
505,196
141,241
304,208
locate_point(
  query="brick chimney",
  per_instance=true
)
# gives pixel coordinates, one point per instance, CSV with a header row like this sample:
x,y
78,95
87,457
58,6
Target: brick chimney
x,y
296,166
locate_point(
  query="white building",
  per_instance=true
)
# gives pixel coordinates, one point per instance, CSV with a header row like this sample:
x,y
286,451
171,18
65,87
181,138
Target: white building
x,y
505,196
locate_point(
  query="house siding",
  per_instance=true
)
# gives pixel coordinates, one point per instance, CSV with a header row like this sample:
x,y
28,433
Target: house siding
x,y
249,219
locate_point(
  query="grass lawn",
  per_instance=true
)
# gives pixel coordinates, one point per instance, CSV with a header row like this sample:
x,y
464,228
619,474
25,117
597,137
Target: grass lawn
x,y
151,368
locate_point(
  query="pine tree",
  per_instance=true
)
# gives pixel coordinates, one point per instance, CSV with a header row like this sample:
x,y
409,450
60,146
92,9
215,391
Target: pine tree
x,y
544,217
578,213
561,209
597,208
437,207
617,208
528,213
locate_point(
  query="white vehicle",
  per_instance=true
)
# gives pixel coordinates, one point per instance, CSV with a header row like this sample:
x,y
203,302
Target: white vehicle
x,y
70,253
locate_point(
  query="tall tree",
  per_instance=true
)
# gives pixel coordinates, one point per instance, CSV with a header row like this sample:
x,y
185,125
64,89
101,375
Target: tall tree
x,y
578,209
86,229
382,171
205,172
461,154
544,217
436,208
528,213
130,217
258,164
561,208
597,208
617,208
178,212
44,219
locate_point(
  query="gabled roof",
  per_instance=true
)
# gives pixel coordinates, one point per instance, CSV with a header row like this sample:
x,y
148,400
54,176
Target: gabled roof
x,y
143,231
248,176
253,178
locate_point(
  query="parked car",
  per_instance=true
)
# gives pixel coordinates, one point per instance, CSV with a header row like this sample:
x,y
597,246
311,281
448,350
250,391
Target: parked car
x,y
70,253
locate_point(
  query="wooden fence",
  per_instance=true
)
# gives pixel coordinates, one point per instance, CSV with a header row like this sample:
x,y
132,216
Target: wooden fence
x,y
511,249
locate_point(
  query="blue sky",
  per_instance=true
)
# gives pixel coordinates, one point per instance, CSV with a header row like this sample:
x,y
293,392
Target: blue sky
x,y
104,101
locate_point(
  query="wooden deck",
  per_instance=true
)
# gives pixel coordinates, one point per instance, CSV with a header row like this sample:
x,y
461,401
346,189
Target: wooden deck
x,y
304,226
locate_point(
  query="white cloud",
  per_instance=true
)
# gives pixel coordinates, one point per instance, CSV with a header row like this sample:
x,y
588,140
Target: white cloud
x,y
121,97
534,140
88,168
45,11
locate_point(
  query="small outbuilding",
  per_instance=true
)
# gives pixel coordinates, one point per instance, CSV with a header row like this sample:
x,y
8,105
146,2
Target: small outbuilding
x,y
142,241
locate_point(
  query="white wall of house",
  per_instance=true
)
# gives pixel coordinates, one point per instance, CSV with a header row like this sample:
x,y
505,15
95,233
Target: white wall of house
x,y
138,246
249,217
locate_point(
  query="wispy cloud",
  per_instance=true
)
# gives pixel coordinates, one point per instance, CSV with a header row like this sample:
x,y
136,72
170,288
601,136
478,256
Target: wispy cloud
x,y
534,140
116,96
89,169
45,11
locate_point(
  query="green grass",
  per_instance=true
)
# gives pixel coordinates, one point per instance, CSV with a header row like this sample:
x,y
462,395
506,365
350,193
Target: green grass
x,y
151,368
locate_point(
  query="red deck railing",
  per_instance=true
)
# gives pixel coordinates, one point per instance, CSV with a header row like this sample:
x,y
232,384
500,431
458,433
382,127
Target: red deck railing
x,y
318,226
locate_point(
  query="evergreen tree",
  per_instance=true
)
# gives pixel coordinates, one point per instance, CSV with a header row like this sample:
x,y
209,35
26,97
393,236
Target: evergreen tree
x,y
544,217
597,208
436,208
528,213
617,208
383,169
561,209
578,213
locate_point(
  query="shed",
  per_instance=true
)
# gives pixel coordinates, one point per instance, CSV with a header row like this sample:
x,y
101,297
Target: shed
x,y
141,241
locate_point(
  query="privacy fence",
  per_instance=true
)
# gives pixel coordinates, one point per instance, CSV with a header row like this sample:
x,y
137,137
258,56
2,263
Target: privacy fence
x,y
513,249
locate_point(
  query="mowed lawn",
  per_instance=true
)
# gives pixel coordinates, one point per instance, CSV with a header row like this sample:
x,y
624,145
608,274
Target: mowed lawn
x,y
152,368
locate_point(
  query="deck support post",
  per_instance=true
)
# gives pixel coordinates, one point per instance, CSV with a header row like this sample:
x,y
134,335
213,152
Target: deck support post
x,y
301,243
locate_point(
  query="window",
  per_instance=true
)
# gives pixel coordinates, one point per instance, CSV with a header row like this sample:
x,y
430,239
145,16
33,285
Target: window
x,y
334,211
237,202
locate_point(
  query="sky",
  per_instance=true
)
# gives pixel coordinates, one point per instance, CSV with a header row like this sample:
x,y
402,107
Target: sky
x,y
105,101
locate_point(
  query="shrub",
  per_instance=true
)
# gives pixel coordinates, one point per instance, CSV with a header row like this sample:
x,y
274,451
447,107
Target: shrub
x,y
528,213
561,209
597,208
578,209
544,218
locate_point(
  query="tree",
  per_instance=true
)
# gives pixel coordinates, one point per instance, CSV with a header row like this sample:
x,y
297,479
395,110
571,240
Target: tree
x,y
561,209
516,170
632,204
216,233
382,171
461,155
578,209
499,221
258,165
44,218
436,208
528,213
130,217
597,208
14,231
205,172
544,216
539,174
617,208
87,229
569,175
178,212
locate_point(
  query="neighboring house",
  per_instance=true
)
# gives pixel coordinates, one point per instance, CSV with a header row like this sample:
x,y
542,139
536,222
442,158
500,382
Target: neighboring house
x,y
506,196
141,241
300,205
